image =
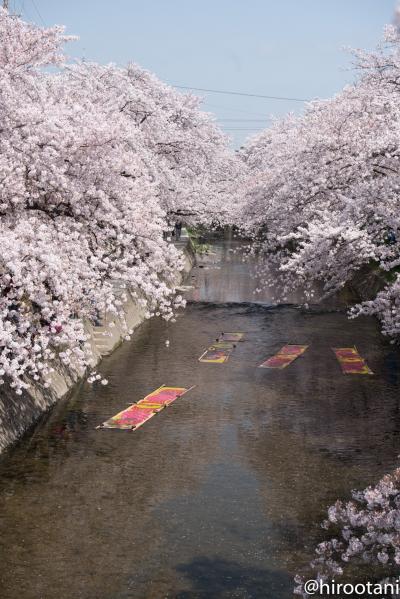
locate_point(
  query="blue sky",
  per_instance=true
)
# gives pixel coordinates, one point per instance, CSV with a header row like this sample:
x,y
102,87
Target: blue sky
x,y
288,48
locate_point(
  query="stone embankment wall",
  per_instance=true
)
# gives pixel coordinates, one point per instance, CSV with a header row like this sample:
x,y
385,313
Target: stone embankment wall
x,y
18,413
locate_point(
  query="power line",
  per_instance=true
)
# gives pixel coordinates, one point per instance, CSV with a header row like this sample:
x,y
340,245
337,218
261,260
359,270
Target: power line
x,y
38,12
24,11
230,93
231,108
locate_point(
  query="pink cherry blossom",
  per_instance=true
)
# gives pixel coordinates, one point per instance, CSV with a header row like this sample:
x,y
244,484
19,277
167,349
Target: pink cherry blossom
x,y
97,163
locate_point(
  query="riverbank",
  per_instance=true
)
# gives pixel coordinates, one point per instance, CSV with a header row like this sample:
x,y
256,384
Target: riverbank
x,y
19,412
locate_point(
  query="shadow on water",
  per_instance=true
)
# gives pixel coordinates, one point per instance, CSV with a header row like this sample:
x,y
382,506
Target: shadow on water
x,y
222,579
221,494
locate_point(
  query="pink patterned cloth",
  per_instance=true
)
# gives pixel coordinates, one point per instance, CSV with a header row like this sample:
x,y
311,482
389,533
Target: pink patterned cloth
x,y
350,361
135,415
164,395
285,356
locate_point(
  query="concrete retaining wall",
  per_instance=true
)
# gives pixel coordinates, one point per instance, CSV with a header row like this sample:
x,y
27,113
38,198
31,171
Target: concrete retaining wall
x,y
19,412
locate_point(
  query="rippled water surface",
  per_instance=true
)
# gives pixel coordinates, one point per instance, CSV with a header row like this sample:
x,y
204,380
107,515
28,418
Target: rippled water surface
x,y
220,495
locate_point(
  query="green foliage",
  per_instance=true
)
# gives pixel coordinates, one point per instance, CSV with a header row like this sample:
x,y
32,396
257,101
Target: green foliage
x,y
197,239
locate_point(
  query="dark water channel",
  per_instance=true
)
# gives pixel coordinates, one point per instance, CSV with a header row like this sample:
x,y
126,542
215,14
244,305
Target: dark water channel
x,y
219,496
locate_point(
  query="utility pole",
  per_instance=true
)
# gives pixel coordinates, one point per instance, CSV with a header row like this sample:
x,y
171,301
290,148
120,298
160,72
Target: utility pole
x,y
5,4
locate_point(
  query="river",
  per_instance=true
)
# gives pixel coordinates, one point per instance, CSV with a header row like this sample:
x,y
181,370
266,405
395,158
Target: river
x,y
220,495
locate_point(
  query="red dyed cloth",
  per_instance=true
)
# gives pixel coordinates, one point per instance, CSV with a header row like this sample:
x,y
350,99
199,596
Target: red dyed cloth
x,y
284,357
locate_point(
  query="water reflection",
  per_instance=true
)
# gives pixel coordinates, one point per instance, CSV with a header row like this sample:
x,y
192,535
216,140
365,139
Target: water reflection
x,y
237,281
218,496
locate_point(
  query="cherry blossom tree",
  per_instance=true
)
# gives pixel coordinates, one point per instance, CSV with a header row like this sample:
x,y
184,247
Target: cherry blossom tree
x,y
186,154
364,535
323,188
95,163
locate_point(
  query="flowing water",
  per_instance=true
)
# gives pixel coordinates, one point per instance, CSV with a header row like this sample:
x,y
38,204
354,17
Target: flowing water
x,y
220,495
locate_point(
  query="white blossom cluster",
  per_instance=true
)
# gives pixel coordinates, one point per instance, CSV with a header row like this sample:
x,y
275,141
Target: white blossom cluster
x,y
367,532
97,163
323,196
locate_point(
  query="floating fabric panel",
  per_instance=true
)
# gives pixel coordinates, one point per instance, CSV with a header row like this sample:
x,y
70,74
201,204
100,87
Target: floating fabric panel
x,y
286,355
163,395
350,361
215,356
137,414
130,418
222,345
234,337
